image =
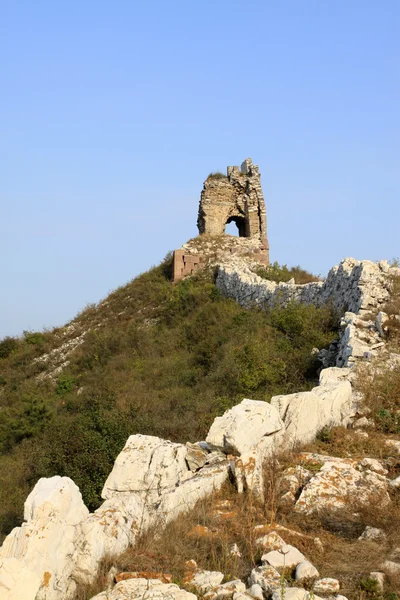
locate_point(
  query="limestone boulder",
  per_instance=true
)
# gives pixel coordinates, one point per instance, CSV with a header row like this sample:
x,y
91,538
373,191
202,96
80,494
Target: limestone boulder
x,y
37,559
306,413
294,594
256,591
184,496
267,577
286,557
337,483
145,589
204,581
305,570
327,585
109,531
226,590
373,534
149,467
242,427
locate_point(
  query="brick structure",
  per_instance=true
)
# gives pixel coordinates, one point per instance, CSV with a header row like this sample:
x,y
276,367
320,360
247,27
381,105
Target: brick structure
x,y
186,263
236,196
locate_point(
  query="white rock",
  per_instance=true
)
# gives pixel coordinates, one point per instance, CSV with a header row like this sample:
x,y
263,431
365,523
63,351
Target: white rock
x,y
203,581
286,557
306,413
145,589
266,577
227,590
242,427
372,534
37,559
184,497
196,456
148,466
305,570
361,433
293,594
336,483
391,567
333,375
109,531
255,590
271,541
327,585
395,483
17,581
373,465
394,445
362,423
55,497
242,596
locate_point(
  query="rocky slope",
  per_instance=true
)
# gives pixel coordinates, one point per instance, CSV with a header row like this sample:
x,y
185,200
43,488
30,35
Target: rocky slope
x,y
61,546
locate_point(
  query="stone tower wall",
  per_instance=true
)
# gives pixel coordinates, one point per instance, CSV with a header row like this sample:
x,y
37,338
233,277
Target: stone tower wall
x,y
237,197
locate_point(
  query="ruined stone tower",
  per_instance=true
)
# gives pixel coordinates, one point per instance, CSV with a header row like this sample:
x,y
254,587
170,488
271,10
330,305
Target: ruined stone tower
x,y
235,197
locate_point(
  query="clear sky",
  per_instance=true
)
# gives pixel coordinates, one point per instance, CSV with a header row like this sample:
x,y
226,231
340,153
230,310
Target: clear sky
x,y
112,114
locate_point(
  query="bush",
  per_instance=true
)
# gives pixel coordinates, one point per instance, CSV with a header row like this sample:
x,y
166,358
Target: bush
x,y
34,337
7,346
158,358
381,391
217,175
283,274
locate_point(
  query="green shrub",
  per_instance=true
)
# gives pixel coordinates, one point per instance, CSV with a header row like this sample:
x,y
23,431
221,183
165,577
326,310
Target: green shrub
x,y
34,337
65,384
279,274
158,358
371,587
216,175
7,346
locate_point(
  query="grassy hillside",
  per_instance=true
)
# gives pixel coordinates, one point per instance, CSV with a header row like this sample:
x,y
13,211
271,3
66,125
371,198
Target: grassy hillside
x,y
154,358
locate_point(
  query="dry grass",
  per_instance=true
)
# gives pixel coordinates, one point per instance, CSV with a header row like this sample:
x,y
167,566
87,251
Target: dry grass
x,y
346,443
381,390
207,533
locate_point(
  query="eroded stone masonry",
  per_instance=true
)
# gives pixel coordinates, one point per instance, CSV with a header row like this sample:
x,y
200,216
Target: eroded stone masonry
x,y
236,197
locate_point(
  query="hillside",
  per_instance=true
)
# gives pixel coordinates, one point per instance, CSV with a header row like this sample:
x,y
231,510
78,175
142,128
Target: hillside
x,y
293,495
153,358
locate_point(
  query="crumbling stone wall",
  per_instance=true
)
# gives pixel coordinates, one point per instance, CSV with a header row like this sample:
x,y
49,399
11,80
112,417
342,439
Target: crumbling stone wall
x,y
237,197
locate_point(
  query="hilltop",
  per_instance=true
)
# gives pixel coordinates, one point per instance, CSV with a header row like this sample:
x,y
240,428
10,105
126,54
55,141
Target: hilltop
x,y
219,427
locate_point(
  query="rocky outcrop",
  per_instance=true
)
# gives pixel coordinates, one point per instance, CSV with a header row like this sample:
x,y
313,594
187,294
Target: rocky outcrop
x,y
145,589
354,289
153,481
352,286
37,559
306,413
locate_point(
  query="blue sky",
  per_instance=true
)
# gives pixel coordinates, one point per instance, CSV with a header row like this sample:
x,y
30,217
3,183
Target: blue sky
x,y
113,113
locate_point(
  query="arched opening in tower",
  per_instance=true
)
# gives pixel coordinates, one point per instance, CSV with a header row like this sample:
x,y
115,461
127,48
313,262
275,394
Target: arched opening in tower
x,y
236,226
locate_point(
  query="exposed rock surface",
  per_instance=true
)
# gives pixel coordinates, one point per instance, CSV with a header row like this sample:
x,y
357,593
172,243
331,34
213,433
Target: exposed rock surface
x,y
145,589
39,557
154,480
354,286
338,483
